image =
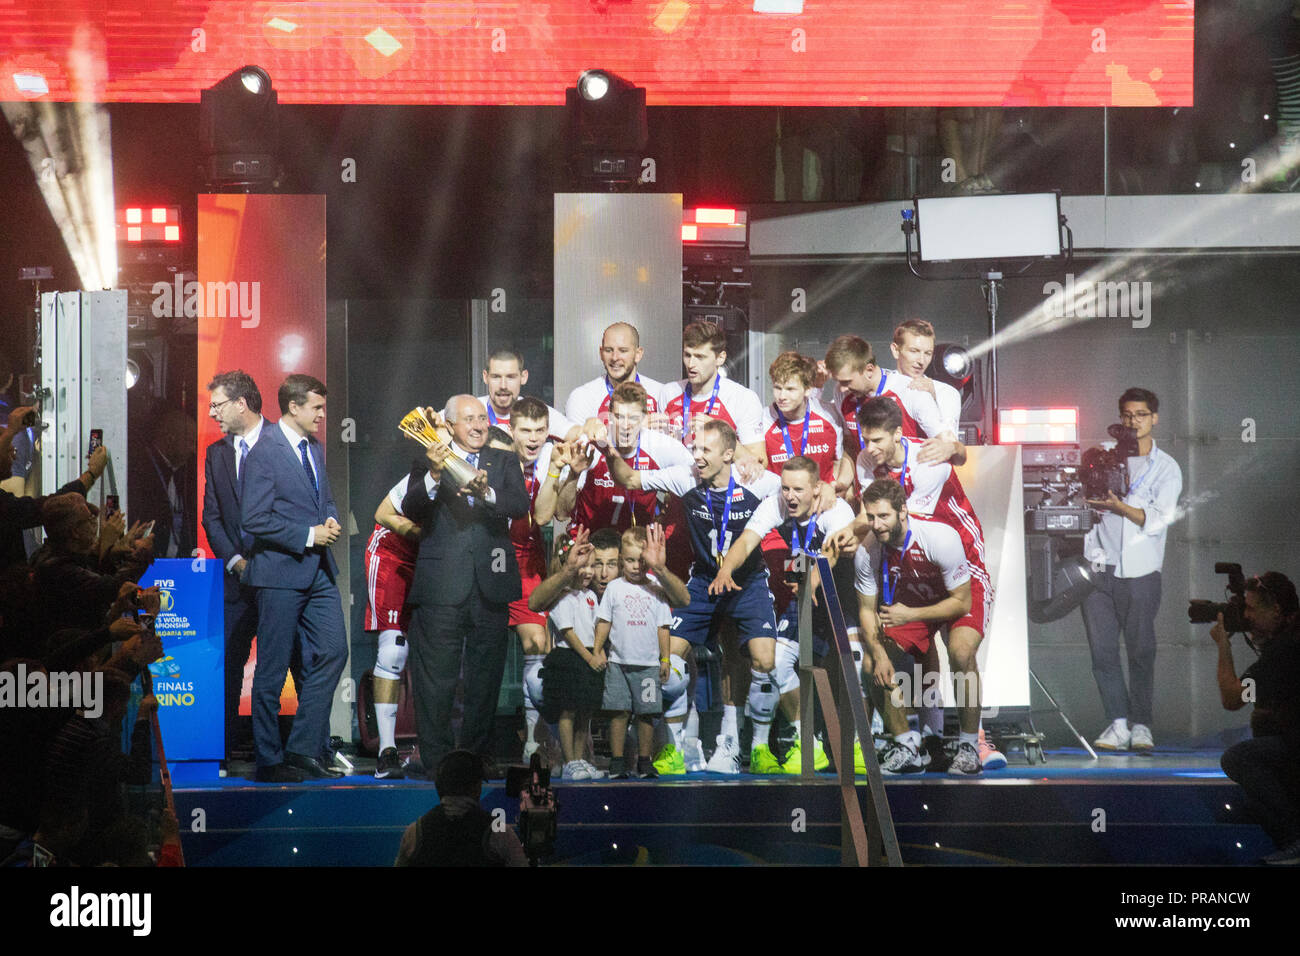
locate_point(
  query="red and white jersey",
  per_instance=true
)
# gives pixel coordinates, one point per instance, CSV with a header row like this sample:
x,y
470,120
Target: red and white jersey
x,y
591,400
601,503
922,416
558,426
388,544
525,533
734,404
824,443
933,491
929,565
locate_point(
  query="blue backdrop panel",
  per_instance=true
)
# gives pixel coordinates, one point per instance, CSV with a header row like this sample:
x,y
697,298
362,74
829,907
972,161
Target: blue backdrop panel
x,y
189,678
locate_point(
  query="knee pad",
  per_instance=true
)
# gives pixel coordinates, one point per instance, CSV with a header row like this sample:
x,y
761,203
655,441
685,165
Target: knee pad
x,y
678,678
787,666
763,696
391,658
533,681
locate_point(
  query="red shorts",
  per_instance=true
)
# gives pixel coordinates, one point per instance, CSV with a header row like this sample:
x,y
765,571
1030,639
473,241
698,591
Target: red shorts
x,y
981,602
915,637
519,613
388,582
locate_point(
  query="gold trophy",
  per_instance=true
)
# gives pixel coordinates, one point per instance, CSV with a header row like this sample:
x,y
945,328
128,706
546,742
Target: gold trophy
x,y
417,425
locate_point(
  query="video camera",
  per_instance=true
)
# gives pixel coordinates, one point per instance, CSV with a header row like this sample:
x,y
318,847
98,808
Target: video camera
x,y
1106,470
538,809
1200,611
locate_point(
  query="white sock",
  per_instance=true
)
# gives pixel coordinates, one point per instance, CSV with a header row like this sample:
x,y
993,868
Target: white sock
x,y
1121,724
931,720
531,717
798,730
677,729
911,738
729,725
972,739
692,726
386,724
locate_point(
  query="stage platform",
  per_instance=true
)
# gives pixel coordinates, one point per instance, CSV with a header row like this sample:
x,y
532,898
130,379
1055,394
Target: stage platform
x,y
1170,808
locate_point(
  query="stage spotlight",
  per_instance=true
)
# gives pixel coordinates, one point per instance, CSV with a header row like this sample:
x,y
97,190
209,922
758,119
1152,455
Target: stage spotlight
x,y
593,84
608,132
952,364
132,373
239,131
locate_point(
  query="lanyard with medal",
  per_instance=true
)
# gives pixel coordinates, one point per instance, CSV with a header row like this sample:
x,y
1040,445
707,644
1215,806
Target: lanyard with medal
x,y
785,432
688,405
530,485
886,585
636,466
804,545
721,532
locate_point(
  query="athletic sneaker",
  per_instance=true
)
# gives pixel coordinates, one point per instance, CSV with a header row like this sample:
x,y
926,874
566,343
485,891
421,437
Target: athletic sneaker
x,y
618,768
726,758
794,758
1114,737
899,758
939,752
645,769
762,760
670,761
576,770
965,762
859,761
593,773
990,757
1288,855
693,755
389,765
1141,738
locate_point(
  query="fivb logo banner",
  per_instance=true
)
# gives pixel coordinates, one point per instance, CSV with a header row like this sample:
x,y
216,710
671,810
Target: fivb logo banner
x,y
189,679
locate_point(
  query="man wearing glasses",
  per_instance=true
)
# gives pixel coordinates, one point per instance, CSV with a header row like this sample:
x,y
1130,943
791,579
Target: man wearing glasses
x,y
1127,548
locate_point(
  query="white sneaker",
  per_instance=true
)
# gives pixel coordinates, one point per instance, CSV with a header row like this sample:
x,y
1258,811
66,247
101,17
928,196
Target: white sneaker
x,y
726,759
965,762
898,757
593,772
1115,737
576,770
693,755
1141,738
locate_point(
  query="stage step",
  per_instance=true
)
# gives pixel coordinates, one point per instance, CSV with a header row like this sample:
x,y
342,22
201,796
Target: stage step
x,y
1048,817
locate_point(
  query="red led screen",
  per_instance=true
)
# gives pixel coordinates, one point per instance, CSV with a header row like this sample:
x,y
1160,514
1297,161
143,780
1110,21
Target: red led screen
x,y
684,52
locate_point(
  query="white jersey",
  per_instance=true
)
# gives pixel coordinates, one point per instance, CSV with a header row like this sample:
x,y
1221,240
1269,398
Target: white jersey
x,y
575,611
397,493
932,564
736,405
557,427
591,399
933,416
772,513
635,613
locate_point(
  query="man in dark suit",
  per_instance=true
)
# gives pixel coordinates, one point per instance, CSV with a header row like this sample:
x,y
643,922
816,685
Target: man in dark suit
x,y
289,514
236,407
162,477
465,578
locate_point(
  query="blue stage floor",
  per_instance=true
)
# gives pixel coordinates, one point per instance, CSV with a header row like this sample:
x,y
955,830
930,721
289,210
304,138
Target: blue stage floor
x,y
1170,808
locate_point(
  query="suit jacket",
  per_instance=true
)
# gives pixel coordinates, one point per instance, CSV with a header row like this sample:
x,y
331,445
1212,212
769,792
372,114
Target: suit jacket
x,y
461,544
278,508
221,507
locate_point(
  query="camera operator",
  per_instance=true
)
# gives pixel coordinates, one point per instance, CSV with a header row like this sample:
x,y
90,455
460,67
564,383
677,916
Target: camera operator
x,y
1130,542
459,832
1266,766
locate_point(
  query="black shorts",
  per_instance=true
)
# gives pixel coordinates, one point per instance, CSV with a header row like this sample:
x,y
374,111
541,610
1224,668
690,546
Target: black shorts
x,y
569,683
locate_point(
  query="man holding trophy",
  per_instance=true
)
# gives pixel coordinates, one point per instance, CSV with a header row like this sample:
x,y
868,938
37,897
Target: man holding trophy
x,y
466,574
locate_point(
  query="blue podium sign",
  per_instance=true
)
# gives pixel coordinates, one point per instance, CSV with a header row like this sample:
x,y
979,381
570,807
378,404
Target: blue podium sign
x,y
189,679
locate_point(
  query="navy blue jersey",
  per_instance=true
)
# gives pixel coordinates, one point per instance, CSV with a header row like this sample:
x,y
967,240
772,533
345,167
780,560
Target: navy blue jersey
x,y
706,509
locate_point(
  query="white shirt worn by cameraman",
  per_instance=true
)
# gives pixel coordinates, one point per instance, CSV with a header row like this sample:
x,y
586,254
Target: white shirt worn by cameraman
x,y
1155,482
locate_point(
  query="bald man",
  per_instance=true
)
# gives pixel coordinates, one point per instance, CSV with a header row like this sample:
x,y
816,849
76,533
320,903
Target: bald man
x,y
466,576
620,353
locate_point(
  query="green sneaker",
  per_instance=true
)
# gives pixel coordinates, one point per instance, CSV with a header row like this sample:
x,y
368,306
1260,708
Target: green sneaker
x,y
859,762
670,761
794,758
762,760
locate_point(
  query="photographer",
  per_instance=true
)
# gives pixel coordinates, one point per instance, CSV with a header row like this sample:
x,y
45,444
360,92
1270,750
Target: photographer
x,y
459,832
1127,549
1266,766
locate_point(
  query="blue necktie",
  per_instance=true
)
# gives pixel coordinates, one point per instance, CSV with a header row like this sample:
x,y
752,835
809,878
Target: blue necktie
x,y
306,466
472,458
239,459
